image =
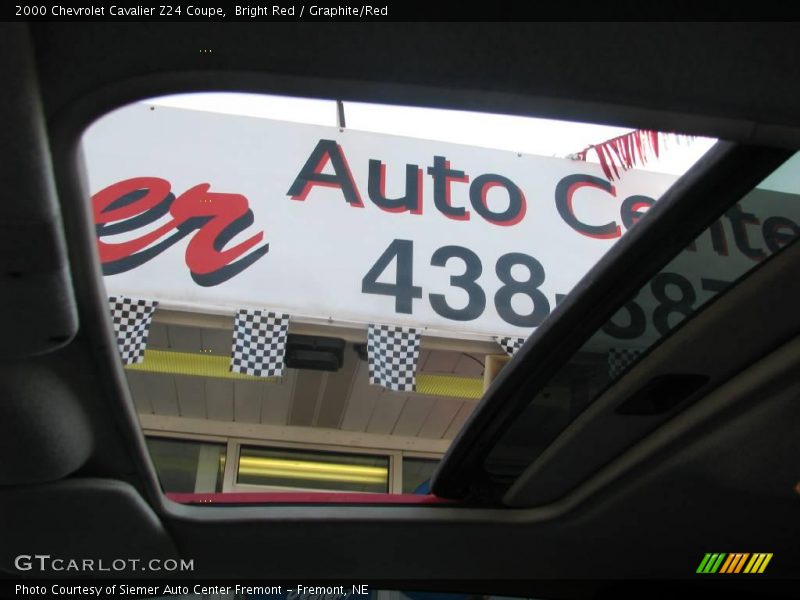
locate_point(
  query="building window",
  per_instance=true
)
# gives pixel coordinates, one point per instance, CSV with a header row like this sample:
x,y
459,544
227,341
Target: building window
x,y
417,473
187,466
312,470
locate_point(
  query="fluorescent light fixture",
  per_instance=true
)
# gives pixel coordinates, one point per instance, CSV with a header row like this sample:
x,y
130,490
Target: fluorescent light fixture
x,y
257,466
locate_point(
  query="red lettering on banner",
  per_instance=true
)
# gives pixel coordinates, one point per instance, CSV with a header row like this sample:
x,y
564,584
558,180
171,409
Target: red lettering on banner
x,y
213,218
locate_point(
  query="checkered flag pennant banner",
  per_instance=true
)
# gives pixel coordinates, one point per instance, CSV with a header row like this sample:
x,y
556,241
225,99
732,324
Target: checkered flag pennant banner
x,y
510,344
393,352
259,343
619,359
131,318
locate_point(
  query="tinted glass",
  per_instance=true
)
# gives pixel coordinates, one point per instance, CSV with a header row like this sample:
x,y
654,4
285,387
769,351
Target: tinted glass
x,y
417,473
186,466
761,224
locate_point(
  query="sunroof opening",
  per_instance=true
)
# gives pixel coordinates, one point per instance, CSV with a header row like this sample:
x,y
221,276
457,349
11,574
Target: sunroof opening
x,y
313,295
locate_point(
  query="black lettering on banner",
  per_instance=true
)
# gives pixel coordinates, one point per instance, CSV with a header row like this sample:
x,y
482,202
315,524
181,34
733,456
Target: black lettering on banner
x,y
667,305
713,285
403,290
311,174
718,240
529,287
443,176
719,243
637,323
516,199
633,209
674,294
660,287
778,232
739,222
376,188
467,281
565,190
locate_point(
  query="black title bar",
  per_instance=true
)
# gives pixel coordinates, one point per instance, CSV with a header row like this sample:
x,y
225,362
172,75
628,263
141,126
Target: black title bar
x,y
392,10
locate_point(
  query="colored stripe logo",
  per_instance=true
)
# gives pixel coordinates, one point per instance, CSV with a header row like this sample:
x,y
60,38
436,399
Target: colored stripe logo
x,y
735,562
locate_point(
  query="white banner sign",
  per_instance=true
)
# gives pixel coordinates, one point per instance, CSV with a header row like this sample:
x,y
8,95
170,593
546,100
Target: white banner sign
x,y
204,209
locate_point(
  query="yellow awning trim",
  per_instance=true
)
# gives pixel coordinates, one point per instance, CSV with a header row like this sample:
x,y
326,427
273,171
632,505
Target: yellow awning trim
x,y
189,363
216,365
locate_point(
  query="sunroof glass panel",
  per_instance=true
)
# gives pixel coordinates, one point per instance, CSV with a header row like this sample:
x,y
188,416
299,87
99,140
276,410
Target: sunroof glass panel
x,y
758,226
